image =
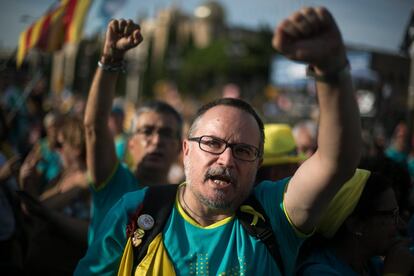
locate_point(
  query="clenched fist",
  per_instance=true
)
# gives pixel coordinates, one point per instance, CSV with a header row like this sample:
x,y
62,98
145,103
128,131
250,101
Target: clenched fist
x,y
311,35
121,35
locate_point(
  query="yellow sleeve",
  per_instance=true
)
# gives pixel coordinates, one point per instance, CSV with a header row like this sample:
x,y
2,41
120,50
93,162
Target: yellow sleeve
x,y
342,204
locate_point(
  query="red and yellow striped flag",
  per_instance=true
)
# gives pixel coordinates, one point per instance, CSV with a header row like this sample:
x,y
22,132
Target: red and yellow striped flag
x,y
60,24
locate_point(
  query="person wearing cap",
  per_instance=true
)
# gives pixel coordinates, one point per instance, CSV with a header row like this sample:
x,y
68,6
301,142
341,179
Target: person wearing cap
x,y
222,153
280,156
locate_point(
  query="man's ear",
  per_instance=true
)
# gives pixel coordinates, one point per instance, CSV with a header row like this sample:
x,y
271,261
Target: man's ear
x,y
186,147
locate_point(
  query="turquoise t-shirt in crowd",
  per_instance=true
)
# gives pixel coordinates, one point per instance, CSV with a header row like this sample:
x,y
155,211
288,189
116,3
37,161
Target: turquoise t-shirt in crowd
x,y
396,156
120,142
119,183
50,164
325,262
224,248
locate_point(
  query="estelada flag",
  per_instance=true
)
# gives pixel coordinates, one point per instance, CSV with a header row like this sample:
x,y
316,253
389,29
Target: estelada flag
x,y
62,23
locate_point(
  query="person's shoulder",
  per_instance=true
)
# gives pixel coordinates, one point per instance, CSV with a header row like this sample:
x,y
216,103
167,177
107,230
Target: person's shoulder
x,y
123,177
133,199
137,194
270,193
269,184
125,170
124,166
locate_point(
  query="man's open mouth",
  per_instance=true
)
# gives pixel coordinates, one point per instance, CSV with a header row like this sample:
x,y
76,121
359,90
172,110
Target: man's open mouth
x,y
221,180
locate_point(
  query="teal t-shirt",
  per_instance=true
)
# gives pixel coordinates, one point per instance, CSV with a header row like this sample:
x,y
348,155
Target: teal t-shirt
x,y
120,183
120,142
50,164
396,156
219,249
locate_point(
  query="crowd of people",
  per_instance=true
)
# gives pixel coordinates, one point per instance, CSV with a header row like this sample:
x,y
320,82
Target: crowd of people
x,y
82,195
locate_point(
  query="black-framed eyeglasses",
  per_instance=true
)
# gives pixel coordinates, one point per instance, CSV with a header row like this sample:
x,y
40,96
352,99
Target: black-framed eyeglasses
x,y
163,132
394,214
214,145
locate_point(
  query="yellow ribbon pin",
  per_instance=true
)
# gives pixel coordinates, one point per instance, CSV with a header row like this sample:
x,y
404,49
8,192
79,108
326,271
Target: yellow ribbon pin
x,y
256,215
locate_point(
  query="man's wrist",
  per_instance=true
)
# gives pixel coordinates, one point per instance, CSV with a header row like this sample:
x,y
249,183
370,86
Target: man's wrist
x,y
113,68
334,76
111,59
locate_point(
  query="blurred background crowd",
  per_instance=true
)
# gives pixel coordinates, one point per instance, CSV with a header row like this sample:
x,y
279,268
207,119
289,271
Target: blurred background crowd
x,y
186,59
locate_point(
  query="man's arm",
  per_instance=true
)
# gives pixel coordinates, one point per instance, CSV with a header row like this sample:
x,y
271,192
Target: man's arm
x,y
101,159
312,36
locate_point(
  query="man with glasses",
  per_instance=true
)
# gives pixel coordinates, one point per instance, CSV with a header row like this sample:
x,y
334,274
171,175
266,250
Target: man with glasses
x,y
156,130
222,154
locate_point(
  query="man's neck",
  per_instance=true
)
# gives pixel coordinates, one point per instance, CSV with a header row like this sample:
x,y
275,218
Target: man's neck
x,y
203,215
150,178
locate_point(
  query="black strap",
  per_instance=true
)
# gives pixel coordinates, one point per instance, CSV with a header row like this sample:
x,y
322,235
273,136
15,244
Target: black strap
x,y
262,230
158,202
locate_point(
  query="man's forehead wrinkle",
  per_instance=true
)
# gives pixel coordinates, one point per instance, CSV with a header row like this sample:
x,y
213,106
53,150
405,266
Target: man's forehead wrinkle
x,y
231,127
208,124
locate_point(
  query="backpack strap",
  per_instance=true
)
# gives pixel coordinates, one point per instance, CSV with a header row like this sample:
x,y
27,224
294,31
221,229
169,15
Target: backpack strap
x,y
257,224
158,203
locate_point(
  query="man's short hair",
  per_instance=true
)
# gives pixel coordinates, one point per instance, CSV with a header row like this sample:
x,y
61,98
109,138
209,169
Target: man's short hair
x,y
237,103
161,108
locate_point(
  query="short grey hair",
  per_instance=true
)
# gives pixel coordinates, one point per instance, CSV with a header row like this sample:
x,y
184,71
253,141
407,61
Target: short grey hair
x,y
161,108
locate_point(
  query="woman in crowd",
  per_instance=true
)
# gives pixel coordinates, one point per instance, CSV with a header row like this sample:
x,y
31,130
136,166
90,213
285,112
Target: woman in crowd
x,y
62,210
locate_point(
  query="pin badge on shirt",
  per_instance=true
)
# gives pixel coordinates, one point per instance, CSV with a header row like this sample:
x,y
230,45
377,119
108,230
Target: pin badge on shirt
x,y
145,222
137,238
